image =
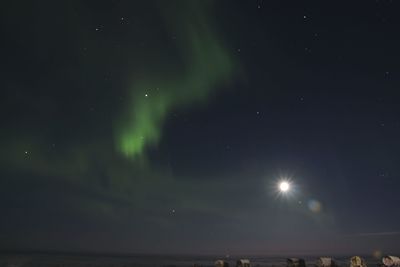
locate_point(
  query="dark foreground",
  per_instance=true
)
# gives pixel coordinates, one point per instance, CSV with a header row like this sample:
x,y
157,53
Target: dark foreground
x,y
73,260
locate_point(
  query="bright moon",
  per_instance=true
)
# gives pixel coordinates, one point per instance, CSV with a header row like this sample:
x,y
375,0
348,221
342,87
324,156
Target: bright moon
x,y
284,186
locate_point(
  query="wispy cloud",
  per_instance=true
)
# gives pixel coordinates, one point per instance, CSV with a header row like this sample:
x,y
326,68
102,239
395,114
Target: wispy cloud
x,y
380,233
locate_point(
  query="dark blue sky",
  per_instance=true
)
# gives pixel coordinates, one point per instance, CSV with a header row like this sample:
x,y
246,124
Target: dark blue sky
x,y
311,95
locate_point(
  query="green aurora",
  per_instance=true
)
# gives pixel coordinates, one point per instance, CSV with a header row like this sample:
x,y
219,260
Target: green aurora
x,y
206,66
85,158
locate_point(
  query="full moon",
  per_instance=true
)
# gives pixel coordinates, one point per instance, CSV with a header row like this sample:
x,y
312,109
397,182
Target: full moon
x,y
284,186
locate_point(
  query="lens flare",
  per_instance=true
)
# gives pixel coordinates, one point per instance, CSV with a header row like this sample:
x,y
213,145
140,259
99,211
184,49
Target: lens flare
x,y
314,205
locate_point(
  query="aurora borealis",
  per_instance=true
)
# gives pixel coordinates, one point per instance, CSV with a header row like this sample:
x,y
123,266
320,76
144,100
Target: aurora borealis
x,y
205,65
166,127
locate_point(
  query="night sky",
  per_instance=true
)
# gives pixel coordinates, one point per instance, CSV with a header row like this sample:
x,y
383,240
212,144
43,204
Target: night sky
x,y
165,126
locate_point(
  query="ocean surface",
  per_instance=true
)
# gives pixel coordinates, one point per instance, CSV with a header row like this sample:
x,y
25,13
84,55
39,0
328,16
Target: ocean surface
x,y
69,260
